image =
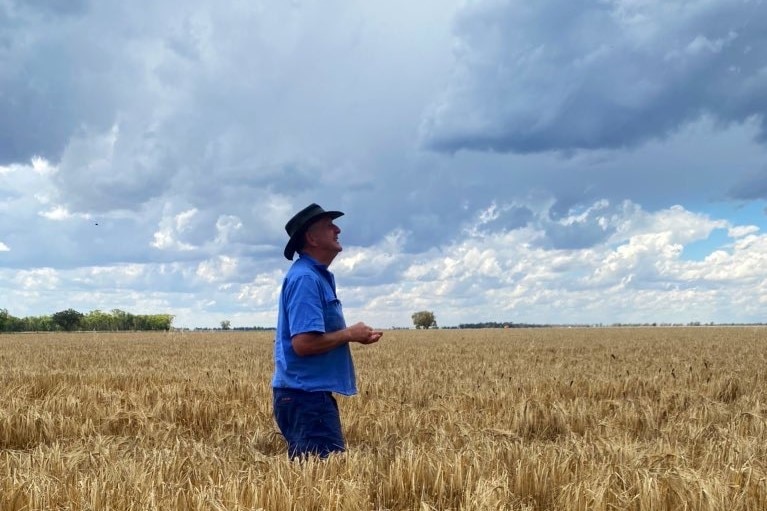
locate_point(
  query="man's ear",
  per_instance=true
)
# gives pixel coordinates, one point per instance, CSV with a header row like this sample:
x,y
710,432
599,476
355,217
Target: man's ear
x,y
309,238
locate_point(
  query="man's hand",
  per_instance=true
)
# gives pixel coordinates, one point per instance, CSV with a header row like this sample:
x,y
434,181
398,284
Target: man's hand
x,y
313,343
363,334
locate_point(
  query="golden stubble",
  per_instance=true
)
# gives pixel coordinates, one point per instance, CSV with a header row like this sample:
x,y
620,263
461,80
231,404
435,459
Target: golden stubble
x,y
514,419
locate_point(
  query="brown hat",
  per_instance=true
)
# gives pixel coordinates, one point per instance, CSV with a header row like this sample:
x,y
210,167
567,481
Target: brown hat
x,y
297,225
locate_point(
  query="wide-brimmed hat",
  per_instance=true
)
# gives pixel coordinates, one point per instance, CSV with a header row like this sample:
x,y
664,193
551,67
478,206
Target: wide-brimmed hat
x,y
297,225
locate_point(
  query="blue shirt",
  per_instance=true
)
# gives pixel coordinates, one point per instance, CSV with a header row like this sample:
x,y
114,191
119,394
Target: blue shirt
x,y
308,303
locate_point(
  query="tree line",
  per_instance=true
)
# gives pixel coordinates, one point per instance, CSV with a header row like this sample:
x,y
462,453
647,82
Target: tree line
x,y
495,324
427,319
71,320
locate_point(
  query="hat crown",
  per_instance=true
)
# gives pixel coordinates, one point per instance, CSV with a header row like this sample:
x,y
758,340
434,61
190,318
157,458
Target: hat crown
x,y
302,217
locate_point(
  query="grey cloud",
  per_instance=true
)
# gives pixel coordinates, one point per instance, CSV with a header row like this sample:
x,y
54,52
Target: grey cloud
x,y
576,236
752,186
57,75
55,7
511,218
222,110
114,170
573,225
74,243
566,75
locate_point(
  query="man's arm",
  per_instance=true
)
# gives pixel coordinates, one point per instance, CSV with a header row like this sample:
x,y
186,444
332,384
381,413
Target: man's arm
x,y
314,343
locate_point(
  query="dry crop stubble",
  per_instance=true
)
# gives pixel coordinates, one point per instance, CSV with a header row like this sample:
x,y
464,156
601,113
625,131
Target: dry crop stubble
x,y
515,419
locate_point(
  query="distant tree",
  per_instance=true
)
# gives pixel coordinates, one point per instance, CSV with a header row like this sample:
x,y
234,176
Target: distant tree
x,y
38,324
98,320
70,319
67,319
10,323
424,319
226,325
161,321
120,320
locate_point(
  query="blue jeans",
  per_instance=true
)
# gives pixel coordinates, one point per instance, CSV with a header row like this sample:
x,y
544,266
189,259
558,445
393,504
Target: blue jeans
x,y
309,421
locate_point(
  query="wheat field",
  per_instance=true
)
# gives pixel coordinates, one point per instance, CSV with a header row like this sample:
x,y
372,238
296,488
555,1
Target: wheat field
x,y
515,419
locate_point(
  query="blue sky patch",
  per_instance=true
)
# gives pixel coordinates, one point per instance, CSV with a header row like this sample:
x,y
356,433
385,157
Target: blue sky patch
x,y
699,250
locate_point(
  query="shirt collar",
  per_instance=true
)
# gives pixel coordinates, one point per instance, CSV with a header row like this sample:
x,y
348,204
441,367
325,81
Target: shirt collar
x,y
322,268
313,261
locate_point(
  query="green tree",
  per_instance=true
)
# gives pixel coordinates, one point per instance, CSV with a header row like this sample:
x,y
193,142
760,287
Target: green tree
x,y
10,323
122,320
226,325
424,319
68,319
161,321
98,320
39,324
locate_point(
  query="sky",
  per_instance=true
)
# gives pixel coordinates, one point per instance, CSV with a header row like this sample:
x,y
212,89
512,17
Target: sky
x,y
556,161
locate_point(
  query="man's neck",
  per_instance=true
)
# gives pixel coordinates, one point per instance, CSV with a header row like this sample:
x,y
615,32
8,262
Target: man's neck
x,y
321,257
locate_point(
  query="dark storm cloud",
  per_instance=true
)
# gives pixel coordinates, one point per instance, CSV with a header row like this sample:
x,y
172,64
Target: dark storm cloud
x,y
56,74
566,75
251,111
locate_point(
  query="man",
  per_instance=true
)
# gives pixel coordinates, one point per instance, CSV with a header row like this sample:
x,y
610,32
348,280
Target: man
x,y
312,359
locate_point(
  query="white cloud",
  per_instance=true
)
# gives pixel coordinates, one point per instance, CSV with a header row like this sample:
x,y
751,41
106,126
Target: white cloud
x,y
167,236
262,292
226,226
371,262
636,275
37,279
740,231
218,269
60,213
43,166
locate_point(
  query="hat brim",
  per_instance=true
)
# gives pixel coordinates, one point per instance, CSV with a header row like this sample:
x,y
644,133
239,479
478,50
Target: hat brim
x,y
290,247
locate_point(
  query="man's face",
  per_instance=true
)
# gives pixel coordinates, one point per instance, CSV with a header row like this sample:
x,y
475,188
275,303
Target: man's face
x,y
324,233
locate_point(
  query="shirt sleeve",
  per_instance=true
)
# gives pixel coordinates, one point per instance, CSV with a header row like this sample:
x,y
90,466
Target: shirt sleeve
x,y
304,306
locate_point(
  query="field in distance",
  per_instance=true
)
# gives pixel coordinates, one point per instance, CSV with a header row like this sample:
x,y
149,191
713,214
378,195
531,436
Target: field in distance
x,y
515,419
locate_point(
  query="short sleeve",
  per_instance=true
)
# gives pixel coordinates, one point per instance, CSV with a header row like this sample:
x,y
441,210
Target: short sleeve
x,y
304,305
